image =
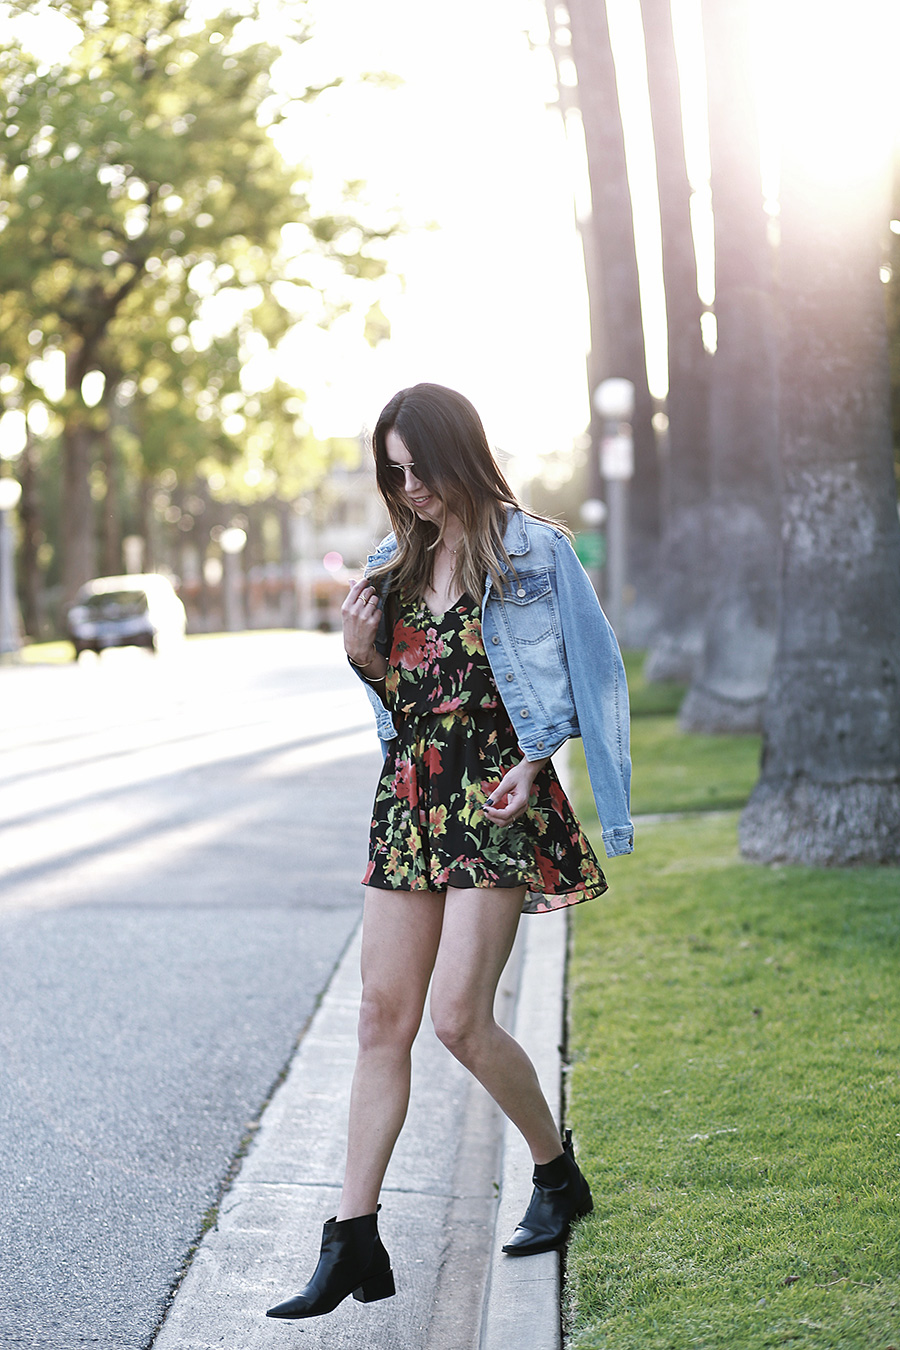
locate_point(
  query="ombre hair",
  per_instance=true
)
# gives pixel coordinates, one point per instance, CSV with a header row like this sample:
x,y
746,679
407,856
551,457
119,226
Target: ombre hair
x,y
445,438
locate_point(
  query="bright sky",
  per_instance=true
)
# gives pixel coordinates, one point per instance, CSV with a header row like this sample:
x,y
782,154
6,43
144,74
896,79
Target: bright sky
x,y
493,301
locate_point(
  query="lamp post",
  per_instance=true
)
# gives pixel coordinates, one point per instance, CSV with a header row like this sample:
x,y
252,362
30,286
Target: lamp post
x,y
592,544
232,542
614,401
10,492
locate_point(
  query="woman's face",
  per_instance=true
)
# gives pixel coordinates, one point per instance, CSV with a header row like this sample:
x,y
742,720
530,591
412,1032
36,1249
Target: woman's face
x,y
423,501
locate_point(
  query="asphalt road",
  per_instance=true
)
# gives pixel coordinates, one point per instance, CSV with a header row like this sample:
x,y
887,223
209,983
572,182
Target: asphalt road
x,y
181,843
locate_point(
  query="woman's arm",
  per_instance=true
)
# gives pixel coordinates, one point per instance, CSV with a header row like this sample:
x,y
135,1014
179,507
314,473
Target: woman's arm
x,y
515,787
601,698
360,617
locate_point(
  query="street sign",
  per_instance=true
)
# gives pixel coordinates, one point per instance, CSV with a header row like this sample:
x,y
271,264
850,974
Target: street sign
x,y
617,456
591,549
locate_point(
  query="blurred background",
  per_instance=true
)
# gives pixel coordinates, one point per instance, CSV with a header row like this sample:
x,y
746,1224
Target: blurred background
x,y
229,234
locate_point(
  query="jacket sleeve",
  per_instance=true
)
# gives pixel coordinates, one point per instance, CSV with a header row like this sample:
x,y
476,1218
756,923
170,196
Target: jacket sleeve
x,y
601,697
383,720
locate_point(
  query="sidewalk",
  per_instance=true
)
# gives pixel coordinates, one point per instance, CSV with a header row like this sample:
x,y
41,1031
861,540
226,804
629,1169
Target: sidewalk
x,y
458,1184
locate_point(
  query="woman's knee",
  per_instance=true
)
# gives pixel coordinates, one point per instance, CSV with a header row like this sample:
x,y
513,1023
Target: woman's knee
x,y
387,1023
459,1027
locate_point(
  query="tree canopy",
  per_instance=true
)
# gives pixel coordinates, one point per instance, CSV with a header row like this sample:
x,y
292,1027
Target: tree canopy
x,y
152,233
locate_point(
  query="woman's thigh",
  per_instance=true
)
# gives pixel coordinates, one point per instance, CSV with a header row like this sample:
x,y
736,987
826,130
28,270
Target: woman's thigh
x,y
477,935
400,939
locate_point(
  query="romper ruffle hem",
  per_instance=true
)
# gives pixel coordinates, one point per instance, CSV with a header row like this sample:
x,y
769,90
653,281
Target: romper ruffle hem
x,y
454,743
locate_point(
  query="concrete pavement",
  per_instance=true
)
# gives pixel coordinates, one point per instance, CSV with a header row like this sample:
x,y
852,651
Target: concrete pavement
x,y
457,1185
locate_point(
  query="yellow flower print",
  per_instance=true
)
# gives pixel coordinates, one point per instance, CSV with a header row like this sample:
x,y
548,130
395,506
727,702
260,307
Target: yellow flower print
x,y
393,866
538,819
437,820
472,811
470,635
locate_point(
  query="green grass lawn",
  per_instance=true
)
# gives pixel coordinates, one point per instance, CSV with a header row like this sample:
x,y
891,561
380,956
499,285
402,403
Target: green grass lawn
x,y
716,774
47,653
734,1090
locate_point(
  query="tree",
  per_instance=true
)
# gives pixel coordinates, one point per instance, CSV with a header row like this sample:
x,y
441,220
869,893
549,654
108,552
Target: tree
x,y
730,680
892,295
684,578
617,330
145,203
829,787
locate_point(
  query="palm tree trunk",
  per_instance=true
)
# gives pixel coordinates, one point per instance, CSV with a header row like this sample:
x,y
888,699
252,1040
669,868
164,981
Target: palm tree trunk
x,y
617,329
829,790
683,574
730,682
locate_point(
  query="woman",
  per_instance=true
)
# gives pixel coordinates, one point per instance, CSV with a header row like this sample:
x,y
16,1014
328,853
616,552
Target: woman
x,y
483,649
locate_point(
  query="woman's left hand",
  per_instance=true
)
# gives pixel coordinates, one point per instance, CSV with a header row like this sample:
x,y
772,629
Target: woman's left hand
x,y
515,788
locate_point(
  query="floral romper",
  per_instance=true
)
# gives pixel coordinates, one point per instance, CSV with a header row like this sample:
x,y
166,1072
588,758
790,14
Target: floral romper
x,y
454,743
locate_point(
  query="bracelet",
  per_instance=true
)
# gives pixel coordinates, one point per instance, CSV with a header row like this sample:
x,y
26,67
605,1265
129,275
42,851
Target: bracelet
x,y
373,679
363,665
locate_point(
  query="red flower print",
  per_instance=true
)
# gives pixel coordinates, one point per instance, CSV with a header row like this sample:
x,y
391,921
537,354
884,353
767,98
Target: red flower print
x,y
408,650
558,798
432,760
370,868
549,873
449,705
406,786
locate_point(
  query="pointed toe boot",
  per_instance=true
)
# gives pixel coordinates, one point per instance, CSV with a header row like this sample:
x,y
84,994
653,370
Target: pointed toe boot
x,y
560,1196
352,1261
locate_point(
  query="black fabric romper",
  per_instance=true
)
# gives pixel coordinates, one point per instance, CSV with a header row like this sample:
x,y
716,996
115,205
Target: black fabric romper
x,y
454,744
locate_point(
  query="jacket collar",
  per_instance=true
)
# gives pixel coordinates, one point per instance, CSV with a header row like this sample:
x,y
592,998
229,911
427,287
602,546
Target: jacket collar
x,y
515,538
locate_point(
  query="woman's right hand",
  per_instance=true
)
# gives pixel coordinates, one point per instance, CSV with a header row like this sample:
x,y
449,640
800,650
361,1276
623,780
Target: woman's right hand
x,y
360,617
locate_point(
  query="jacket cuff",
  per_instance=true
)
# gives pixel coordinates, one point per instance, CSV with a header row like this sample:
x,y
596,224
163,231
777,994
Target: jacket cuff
x,y
618,840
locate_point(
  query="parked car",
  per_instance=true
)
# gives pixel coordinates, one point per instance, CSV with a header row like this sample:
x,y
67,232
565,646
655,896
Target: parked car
x,y
134,611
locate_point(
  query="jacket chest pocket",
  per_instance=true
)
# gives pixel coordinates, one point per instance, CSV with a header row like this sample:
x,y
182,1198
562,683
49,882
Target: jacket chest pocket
x,y
531,614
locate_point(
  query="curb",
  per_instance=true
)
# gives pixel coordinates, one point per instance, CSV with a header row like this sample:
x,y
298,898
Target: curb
x,y
266,1239
522,1302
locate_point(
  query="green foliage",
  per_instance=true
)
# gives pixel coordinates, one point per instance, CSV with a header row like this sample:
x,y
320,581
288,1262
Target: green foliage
x,y
152,231
734,1094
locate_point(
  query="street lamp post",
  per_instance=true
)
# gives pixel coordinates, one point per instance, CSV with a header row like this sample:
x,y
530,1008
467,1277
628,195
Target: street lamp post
x,y
232,543
614,401
10,492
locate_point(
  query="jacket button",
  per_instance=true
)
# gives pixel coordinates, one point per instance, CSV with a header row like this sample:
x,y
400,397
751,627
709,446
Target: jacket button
x,y
509,677
525,712
540,745
520,592
495,639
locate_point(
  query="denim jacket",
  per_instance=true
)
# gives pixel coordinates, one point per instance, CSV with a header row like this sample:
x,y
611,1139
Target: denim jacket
x,y
556,663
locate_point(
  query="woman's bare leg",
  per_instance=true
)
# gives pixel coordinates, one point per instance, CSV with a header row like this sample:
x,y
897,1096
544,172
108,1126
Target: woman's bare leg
x,y
478,932
401,933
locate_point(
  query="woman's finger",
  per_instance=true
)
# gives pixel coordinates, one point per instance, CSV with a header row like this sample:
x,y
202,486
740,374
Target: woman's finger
x,y
362,598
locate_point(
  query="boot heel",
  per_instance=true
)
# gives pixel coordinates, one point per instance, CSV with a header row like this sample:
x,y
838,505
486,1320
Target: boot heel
x,y
379,1286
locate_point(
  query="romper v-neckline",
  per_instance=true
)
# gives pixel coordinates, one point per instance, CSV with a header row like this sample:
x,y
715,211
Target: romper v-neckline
x,y
438,616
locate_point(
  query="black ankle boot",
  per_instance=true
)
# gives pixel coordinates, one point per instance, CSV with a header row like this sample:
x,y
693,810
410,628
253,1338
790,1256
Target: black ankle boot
x,y
560,1195
352,1261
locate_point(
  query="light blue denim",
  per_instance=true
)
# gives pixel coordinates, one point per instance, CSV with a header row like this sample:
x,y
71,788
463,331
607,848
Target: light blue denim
x,y
557,665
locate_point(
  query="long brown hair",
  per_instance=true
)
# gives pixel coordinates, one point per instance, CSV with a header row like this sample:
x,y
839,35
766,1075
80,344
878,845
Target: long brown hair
x,y
444,435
